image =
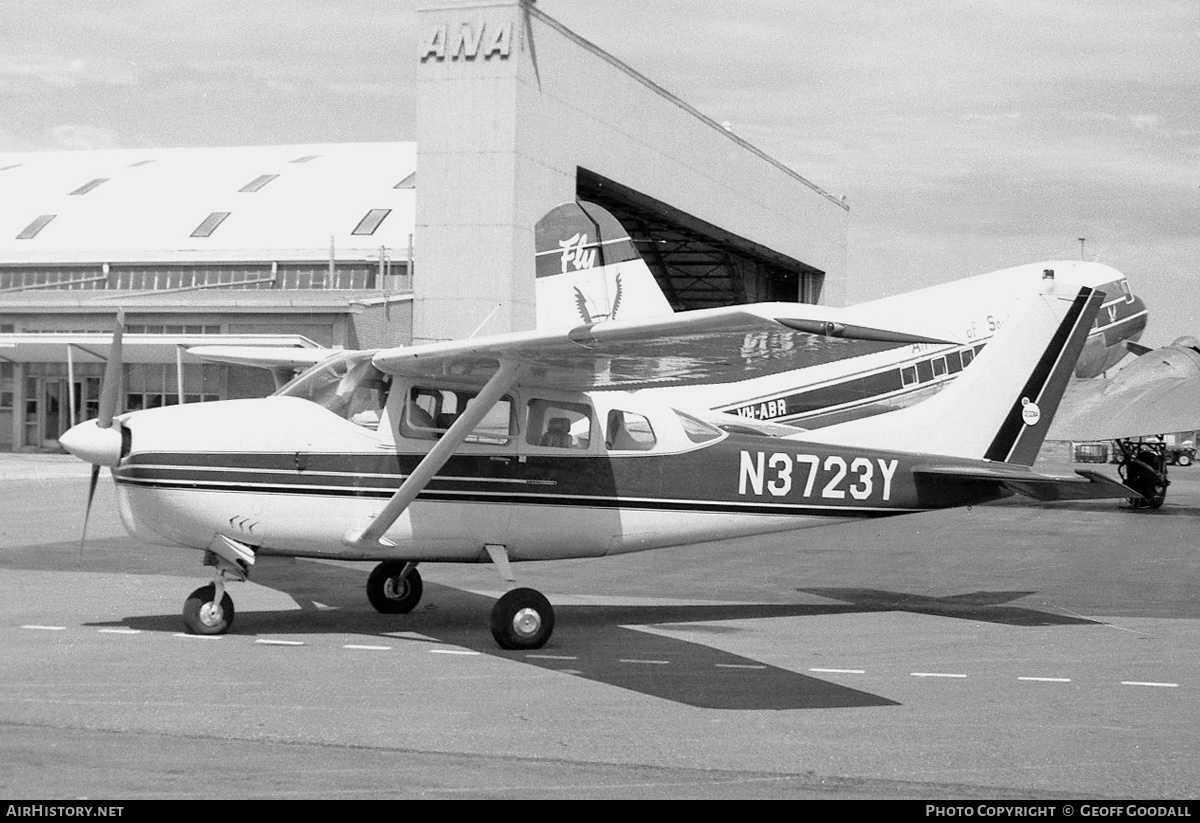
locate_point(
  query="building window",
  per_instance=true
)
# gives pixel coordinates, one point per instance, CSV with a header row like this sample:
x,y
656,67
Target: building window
x,y
371,221
6,386
210,224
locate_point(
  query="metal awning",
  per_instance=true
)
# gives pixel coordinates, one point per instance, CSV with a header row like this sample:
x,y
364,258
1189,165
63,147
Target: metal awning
x,y
57,347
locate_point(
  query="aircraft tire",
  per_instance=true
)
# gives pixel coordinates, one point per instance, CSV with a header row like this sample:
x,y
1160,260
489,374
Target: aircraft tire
x,y
392,593
200,616
522,619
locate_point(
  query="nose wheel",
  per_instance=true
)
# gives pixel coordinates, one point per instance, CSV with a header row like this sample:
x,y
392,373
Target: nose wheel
x,y
204,612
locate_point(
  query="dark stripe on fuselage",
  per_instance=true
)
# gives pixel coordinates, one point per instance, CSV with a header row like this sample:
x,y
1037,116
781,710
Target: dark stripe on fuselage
x,y
737,475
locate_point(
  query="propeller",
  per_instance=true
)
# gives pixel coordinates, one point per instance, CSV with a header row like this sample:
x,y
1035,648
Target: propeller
x,y
98,441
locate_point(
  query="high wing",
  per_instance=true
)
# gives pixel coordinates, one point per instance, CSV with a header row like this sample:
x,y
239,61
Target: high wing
x,y
1157,393
267,357
704,346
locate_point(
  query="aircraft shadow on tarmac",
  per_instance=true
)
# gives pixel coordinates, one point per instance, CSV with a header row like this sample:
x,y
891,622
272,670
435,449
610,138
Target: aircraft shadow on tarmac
x,y
988,607
595,642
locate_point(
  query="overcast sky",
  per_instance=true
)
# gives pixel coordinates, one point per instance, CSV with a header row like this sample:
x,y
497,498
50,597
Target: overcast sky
x,y
966,136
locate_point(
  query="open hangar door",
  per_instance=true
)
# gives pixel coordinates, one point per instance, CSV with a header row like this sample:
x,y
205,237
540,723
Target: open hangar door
x,y
699,265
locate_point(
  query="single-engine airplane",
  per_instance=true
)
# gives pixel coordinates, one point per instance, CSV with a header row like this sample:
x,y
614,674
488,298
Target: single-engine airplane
x,y
528,446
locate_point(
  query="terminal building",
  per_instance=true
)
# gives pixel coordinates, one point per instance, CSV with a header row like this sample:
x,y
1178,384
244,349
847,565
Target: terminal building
x,y
347,246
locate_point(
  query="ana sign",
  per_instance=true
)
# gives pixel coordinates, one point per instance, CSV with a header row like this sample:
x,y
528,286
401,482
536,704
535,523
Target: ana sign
x,y
467,41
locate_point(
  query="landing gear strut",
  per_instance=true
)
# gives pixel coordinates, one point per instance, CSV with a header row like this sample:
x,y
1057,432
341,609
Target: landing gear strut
x,y
1143,468
209,609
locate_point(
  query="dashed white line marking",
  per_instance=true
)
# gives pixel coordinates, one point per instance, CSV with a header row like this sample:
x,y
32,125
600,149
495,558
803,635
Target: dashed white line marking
x,y
839,671
453,651
367,648
648,662
199,636
46,628
267,642
1046,679
938,674
1149,683
551,657
739,666
119,631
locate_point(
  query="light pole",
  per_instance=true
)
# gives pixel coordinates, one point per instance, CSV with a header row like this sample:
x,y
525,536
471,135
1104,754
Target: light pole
x,y
1081,239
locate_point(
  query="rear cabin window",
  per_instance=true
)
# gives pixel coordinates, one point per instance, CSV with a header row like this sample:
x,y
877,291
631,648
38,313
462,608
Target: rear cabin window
x,y
696,430
627,431
430,411
559,425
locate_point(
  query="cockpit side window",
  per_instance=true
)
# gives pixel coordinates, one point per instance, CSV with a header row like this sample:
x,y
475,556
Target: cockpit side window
x,y
430,411
350,387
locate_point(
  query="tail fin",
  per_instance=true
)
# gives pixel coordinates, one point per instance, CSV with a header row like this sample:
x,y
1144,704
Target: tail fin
x,y
1001,407
588,270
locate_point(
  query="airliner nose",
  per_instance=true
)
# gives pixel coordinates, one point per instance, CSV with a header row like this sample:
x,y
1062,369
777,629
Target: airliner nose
x,y
92,444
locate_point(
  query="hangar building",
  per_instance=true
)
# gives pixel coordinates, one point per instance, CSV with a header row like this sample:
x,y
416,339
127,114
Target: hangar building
x,y
346,246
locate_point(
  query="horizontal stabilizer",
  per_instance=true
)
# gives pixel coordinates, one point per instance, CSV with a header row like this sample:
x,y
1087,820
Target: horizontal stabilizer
x,y
1087,485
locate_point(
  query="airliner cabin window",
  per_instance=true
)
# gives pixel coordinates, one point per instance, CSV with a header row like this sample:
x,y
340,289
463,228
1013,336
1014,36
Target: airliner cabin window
x,y
430,411
627,431
559,425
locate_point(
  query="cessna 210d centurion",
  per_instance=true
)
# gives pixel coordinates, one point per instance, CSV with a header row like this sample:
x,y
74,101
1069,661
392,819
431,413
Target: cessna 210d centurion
x,y
526,447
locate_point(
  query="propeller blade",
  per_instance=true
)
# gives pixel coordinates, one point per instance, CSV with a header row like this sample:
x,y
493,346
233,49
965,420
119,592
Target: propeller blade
x,y
110,393
87,513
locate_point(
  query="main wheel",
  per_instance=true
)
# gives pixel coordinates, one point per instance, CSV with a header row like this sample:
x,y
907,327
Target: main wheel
x,y
391,591
522,619
203,616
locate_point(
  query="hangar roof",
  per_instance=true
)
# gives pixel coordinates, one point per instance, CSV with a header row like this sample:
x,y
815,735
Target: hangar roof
x,y
250,203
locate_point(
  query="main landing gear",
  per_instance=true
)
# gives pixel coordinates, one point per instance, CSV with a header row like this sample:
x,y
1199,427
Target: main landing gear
x,y
521,619
1143,468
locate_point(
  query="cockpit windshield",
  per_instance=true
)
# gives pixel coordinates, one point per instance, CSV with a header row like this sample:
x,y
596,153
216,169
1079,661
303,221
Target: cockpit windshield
x,y
349,386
